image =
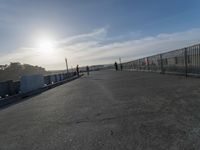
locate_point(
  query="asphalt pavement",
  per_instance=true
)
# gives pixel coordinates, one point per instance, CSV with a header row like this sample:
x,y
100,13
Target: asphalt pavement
x,y
107,110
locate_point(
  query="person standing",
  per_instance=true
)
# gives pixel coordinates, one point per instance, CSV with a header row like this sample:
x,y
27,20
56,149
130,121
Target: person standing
x,y
116,66
88,70
77,70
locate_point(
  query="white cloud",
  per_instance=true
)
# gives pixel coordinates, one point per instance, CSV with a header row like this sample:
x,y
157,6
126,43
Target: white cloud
x,y
132,49
96,35
94,48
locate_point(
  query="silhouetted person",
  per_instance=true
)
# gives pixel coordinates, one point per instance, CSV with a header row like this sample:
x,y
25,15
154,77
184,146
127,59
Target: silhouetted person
x,y
116,66
88,70
77,70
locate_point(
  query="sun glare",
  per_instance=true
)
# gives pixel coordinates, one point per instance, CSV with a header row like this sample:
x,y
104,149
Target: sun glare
x,y
45,45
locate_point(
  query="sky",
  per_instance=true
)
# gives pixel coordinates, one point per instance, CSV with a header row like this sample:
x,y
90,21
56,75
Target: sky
x,y
90,32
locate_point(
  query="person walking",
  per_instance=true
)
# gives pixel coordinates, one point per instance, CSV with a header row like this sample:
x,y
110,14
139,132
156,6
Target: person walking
x,y
116,66
88,70
77,70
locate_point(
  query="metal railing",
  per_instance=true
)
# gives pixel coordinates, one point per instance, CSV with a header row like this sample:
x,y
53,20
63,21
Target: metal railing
x,y
185,61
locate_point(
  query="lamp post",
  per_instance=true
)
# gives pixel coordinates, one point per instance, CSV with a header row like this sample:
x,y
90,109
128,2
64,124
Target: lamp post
x,y
66,65
120,63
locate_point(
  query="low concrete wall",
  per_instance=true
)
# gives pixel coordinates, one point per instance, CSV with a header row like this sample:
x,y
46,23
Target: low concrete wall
x,y
62,77
57,77
47,80
15,88
15,98
9,88
31,82
4,88
53,79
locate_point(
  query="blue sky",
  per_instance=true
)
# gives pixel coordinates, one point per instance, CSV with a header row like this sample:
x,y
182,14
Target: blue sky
x,y
94,31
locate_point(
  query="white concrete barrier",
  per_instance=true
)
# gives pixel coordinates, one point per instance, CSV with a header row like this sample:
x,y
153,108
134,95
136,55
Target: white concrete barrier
x,y
31,82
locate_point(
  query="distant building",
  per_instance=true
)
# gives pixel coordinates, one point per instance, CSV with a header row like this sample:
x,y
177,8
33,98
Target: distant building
x,y
3,67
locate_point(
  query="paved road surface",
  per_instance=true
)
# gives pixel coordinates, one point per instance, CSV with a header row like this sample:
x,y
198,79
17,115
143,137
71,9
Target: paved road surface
x,y
107,111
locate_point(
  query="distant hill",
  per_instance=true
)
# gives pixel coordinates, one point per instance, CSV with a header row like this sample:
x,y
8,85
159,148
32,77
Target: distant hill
x,y
15,70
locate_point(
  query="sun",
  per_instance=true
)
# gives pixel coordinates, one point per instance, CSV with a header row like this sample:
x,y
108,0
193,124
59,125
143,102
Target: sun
x,y
45,45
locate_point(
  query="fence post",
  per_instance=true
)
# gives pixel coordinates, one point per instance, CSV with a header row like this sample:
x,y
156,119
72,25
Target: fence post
x,y
161,64
138,64
147,59
186,61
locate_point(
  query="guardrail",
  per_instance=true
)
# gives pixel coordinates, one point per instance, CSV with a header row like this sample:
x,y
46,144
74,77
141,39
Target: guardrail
x,y
21,96
184,61
11,88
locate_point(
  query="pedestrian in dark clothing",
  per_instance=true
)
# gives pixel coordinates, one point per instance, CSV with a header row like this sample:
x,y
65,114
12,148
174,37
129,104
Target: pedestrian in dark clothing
x,y
88,70
116,66
77,70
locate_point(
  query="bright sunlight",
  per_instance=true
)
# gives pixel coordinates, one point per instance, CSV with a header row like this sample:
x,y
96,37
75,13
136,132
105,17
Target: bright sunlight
x,y
45,45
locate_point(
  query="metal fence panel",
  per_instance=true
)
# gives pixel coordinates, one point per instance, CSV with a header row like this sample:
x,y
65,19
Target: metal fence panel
x,y
181,61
